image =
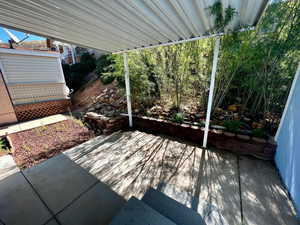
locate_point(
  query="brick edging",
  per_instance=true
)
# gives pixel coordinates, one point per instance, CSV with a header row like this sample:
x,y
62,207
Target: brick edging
x,y
242,144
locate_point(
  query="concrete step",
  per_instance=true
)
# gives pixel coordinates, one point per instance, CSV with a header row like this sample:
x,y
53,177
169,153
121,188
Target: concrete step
x,y
7,166
171,209
136,212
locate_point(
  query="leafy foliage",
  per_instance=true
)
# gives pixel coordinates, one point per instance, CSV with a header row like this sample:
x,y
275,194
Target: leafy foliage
x,y
258,132
221,21
178,118
255,69
75,74
88,61
232,125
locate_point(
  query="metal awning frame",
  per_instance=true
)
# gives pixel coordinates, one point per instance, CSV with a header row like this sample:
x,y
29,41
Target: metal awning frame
x,y
211,88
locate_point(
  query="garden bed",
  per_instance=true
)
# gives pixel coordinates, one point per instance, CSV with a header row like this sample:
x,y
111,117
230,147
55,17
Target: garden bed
x,y
33,146
262,148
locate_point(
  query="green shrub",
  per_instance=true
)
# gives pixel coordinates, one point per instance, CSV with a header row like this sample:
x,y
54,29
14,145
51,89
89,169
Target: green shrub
x,y
258,132
89,61
105,64
79,68
178,118
107,78
2,145
232,125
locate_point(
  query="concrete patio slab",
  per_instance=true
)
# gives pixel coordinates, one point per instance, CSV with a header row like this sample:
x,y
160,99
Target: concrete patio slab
x,y
210,179
52,222
19,204
97,143
222,187
7,166
32,124
96,207
59,181
265,201
136,212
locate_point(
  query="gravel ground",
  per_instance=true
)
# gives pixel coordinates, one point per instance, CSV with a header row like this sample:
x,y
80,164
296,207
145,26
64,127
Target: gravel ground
x,y
33,146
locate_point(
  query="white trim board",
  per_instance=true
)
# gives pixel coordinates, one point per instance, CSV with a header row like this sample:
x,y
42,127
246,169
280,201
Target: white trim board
x,y
28,52
292,90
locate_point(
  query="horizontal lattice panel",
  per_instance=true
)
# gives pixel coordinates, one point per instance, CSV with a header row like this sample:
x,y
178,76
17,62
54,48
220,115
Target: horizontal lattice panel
x,y
31,93
29,68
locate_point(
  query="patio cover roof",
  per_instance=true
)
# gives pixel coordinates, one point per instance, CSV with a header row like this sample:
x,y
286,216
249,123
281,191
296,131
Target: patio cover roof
x,y
118,25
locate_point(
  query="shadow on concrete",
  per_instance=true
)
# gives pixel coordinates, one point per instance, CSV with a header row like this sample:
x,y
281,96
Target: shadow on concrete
x,y
88,184
57,190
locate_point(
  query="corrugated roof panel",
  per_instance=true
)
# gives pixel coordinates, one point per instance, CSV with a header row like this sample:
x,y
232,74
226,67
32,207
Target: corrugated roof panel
x,y
115,25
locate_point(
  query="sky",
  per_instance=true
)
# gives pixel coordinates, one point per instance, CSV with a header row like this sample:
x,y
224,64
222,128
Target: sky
x,y
4,37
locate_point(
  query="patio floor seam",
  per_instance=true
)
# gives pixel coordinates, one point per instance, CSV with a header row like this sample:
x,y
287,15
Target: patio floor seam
x,y
76,198
1,222
42,200
240,188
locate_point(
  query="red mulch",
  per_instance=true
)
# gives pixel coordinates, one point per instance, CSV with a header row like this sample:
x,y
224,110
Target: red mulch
x,y
33,146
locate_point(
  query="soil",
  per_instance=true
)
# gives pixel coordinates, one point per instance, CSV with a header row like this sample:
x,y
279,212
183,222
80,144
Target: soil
x,y
34,146
86,95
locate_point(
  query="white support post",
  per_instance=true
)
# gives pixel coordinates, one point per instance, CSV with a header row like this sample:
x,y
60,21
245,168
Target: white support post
x,y
127,84
211,90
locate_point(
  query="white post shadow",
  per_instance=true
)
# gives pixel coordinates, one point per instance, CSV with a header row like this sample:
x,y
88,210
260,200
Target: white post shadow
x,y
211,90
127,85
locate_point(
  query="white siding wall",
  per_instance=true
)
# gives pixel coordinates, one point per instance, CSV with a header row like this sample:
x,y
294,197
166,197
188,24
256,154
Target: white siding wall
x,y
33,76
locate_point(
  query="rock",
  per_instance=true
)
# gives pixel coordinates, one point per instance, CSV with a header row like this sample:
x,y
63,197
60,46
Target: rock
x,y
238,99
92,115
243,137
91,109
256,125
236,116
246,119
216,131
259,140
218,127
219,110
197,116
245,132
98,105
233,108
229,134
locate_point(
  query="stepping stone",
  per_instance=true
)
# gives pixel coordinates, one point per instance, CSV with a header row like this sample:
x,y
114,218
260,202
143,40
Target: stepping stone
x,y
136,212
59,181
173,210
19,204
7,166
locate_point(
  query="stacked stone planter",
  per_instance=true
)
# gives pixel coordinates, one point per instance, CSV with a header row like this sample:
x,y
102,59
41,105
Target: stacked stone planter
x,y
103,124
242,144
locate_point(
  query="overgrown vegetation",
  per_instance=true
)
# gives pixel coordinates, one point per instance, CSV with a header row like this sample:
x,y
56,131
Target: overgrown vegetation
x,y
4,146
232,125
255,71
178,118
75,75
